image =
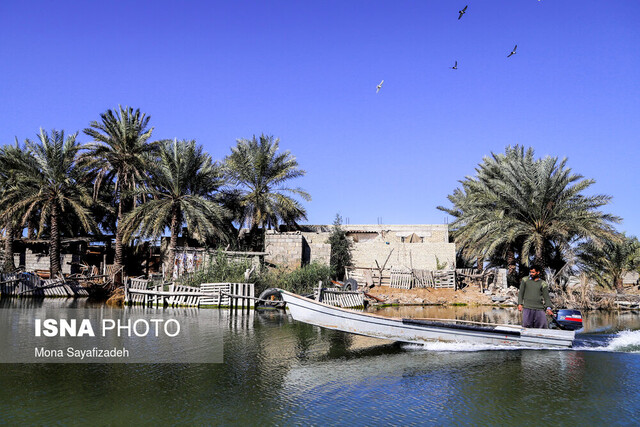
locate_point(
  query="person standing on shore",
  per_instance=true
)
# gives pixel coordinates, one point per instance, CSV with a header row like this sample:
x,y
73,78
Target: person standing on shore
x,y
533,297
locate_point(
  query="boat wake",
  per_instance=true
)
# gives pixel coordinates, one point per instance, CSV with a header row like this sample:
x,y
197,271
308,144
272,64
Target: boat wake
x,y
621,342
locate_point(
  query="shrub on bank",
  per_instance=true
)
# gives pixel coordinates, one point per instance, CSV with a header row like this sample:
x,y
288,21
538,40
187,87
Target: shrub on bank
x,y
219,270
301,280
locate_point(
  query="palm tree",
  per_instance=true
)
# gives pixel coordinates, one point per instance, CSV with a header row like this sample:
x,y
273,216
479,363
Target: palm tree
x,y
182,185
260,175
50,179
608,263
120,154
518,208
11,157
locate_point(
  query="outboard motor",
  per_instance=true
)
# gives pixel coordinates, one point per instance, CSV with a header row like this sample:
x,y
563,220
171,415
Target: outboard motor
x,y
569,320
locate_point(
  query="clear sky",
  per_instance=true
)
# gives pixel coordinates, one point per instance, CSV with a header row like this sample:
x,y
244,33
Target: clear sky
x,y
306,72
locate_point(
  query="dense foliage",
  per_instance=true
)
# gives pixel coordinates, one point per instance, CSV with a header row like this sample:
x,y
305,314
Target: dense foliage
x,y
519,209
340,250
219,269
180,189
301,280
608,263
48,179
120,154
122,182
259,175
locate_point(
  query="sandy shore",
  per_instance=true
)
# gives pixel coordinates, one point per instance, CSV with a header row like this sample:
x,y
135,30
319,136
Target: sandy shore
x,y
469,296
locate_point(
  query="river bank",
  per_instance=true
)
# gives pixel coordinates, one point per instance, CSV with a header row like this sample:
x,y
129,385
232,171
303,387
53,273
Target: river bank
x,y
430,296
472,296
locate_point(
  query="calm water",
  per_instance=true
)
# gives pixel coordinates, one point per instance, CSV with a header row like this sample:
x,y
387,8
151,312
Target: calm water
x,y
280,372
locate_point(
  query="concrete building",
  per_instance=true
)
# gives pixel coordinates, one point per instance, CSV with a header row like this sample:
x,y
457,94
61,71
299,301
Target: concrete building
x,y
409,246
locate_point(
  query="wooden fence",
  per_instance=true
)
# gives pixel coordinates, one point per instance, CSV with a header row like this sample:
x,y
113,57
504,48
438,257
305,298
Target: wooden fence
x,y
402,278
232,295
423,279
30,285
339,298
444,279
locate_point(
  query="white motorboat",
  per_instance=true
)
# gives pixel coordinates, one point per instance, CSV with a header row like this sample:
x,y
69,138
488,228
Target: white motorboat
x,y
420,331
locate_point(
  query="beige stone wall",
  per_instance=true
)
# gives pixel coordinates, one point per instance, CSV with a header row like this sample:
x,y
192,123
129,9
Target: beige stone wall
x,y
426,233
284,249
407,255
375,242
371,243
318,249
39,261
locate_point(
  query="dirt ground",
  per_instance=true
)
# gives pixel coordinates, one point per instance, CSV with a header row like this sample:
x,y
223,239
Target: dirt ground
x,y
469,295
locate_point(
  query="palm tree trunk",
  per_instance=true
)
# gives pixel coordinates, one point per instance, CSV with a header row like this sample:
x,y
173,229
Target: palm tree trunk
x,y
31,227
539,258
119,250
511,267
619,285
8,247
54,250
175,229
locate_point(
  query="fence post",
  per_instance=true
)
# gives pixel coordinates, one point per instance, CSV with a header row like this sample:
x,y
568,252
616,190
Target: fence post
x,y
126,292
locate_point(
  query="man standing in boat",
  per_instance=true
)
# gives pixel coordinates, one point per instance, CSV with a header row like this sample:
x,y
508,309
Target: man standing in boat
x,y
533,298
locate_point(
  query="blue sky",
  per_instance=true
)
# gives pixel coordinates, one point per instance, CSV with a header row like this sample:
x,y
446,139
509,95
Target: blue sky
x,y
306,72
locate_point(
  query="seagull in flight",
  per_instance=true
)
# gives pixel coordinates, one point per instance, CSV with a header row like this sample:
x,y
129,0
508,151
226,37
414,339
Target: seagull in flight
x,y
461,12
513,52
379,86
455,67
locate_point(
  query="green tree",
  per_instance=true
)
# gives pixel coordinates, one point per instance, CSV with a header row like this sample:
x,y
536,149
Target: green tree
x,y
181,187
120,154
260,176
50,179
12,157
610,262
340,249
519,208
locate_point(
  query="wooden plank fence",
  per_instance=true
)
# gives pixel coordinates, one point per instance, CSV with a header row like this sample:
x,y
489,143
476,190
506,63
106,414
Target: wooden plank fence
x,y
423,279
339,298
233,295
401,278
228,294
404,278
444,279
30,285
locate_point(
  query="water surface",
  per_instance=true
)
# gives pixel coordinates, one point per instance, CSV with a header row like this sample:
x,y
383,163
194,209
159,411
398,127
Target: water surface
x,y
279,372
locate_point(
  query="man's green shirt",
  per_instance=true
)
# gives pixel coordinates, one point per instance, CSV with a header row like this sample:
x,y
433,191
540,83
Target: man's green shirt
x,y
534,294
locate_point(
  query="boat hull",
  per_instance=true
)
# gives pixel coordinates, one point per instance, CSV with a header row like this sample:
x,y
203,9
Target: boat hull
x,y
419,331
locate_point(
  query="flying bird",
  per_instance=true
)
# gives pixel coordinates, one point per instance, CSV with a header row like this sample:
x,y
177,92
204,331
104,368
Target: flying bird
x,y
461,12
379,86
513,52
455,67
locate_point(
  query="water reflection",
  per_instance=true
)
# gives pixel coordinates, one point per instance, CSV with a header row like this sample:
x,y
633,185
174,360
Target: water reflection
x,y
278,371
